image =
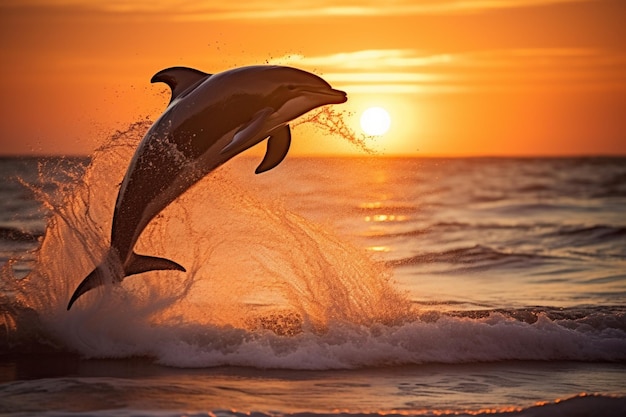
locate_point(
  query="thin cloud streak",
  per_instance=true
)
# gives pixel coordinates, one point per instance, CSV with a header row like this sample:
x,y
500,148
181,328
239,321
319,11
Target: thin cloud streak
x,y
369,58
383,77
409,71
403,89
410,58
253,9
369,9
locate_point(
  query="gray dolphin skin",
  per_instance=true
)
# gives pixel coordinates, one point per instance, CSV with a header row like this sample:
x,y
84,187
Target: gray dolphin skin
x,y
210,119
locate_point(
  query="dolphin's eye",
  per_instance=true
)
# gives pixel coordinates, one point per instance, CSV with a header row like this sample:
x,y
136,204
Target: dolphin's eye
x,y
291,87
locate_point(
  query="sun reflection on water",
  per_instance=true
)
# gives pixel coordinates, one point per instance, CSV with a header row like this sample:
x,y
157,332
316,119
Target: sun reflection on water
x,y
380,249
385,218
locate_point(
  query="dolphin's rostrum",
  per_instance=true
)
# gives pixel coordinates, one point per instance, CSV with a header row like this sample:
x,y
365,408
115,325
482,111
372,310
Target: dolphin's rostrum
x,y
210,119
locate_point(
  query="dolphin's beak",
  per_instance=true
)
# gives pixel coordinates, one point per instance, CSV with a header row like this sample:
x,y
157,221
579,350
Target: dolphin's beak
x,y
338,96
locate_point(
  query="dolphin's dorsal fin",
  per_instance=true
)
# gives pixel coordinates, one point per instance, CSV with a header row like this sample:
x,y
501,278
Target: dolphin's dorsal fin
x,y
179,79
277,148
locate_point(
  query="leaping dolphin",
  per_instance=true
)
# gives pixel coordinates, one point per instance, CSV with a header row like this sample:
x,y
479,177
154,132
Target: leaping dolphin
x,y
210,119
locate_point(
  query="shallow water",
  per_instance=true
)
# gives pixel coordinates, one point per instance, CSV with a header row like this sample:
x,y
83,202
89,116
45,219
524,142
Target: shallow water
x,y
375,285
98,385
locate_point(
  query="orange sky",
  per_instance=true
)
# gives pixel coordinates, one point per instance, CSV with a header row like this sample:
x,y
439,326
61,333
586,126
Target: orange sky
x,y
488,77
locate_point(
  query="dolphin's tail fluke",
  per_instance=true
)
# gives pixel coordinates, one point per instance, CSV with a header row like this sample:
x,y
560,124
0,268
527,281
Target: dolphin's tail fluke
x,y
93,280
111,270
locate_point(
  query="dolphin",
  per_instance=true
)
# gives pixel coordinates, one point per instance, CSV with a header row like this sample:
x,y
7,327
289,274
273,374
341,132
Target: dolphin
x,y
210,119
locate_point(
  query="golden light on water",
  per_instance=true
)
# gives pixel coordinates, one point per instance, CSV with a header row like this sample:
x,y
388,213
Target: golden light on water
x,y
385,218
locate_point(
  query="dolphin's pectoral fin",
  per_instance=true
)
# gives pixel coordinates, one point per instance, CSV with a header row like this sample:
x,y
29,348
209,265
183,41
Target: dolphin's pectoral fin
x,y
277,148
250,130
179,79
143,263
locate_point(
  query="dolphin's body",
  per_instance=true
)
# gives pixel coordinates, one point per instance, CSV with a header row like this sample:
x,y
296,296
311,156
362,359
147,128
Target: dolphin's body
x,y
210,119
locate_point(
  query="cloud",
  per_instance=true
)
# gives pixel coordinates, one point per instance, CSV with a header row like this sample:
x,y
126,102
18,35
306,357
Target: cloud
x,y
412,71
377,70
255,9
369,58
329,8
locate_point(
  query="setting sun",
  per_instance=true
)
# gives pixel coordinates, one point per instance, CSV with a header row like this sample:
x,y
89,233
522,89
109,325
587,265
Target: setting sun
x,y
375,121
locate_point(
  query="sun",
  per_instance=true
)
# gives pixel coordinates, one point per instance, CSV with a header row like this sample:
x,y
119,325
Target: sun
x,y
375,121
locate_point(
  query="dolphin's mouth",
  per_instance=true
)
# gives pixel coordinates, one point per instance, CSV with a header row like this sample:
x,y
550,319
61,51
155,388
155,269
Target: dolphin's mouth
x,y
341,96
331,96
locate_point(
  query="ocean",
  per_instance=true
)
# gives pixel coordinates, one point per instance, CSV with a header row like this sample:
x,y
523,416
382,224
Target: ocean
x,y
327,286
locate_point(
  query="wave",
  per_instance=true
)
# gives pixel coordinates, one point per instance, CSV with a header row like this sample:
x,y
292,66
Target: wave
x,y
285,341
580,405
16,235
477,256
558,243
447,339
588,235
584,233
442,227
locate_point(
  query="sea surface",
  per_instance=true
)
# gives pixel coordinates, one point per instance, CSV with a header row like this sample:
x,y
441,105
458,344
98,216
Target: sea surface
x,y
327,286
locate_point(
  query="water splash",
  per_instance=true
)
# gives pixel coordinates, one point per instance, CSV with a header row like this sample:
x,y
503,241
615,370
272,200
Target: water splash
x,y
252,265
333,122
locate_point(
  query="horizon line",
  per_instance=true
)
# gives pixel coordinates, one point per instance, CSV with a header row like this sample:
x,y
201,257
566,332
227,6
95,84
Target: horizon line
x,y
365,156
